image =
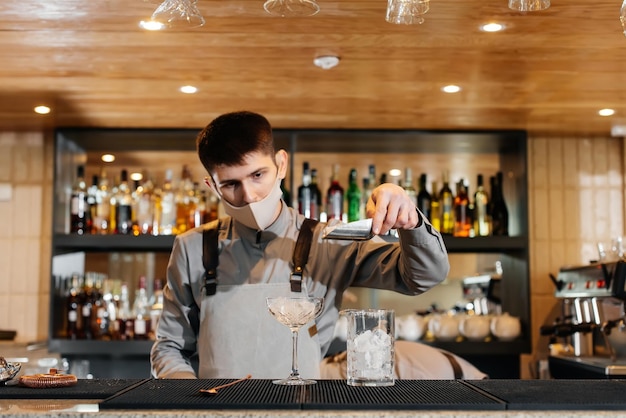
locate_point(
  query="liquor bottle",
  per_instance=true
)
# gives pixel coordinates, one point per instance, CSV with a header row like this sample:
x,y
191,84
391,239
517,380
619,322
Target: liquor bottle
x,y
499,211
353,197
482,222
199,207
286,193
334,197
103,205
369,183
424,198
141,312
316,190
123,206
446,200
383,178
124,316
92,199
307,199
407,185
143,206
156,305
72,309
462,216
166,206
184,197
111,301
102,329
435,208
213,203
78,204
86,308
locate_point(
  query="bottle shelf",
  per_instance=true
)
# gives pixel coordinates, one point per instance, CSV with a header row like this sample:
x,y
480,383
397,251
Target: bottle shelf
x,y
100,348
105,243
473,348
464,347
163,243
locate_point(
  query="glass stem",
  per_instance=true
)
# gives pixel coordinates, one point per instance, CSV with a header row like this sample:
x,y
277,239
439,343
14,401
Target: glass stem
x,y
294,355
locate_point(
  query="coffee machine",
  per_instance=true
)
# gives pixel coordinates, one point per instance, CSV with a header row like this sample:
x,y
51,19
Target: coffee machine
x,y
482,292
588,340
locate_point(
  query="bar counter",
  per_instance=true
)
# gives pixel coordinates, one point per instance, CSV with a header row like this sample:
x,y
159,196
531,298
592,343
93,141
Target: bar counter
x,y
327,398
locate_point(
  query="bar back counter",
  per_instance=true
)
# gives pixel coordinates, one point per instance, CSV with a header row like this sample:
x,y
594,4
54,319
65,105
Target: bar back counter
x,y
327,398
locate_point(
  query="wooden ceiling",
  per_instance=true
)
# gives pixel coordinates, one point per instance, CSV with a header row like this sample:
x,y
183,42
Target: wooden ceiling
x,y
548,72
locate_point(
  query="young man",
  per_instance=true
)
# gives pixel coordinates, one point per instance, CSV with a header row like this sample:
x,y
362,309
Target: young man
x,y
229,326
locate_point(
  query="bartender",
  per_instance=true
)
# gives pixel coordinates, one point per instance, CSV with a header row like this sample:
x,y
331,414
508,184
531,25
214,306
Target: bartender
x,y
220,314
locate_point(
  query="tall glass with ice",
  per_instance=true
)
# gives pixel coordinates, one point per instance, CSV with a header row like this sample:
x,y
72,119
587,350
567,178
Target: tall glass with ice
x,y
370,347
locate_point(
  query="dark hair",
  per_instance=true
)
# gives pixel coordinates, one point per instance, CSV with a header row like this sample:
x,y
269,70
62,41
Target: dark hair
x,y
232,136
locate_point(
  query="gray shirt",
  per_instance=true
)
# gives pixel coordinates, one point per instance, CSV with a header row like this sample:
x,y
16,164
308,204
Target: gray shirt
x,y
412,265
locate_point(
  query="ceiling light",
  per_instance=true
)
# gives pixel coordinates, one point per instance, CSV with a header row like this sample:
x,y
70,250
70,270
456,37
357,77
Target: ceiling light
x,y
108,158
42,110
529,5
606,112
188,89
136,176
451,88
326,61
492,27
151,25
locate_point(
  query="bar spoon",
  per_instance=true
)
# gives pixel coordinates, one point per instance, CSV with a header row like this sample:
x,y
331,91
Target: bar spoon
x,y
213,390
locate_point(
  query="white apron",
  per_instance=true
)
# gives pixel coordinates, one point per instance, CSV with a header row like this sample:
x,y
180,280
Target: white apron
x,y
238,336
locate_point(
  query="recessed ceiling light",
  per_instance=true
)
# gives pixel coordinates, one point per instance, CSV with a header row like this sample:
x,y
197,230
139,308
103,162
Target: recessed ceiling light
x,y
136,176
188,89
326,62
492,27
108,158
606,112
151,25
451,88
42,110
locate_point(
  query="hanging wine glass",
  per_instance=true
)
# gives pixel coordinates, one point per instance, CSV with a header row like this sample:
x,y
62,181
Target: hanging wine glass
x,y
178,14
291,8
407,12
529,5
622,16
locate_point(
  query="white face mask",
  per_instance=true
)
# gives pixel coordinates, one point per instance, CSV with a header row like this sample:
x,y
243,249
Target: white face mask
x,y
257,215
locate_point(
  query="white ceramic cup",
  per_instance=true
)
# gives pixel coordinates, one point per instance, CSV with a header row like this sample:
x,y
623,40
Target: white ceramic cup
x,y
410,327
444,327
475,327
506,327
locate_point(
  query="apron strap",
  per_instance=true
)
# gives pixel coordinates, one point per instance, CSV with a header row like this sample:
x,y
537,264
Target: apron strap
x,y
456,367
301,253
210,258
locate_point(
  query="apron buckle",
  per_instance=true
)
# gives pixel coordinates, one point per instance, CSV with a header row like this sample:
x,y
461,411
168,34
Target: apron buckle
x,y
210,283
296,281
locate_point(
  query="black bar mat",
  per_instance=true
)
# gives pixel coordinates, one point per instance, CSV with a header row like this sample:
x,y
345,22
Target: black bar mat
x,y
84,389
185,394
404,395
557,394
325,394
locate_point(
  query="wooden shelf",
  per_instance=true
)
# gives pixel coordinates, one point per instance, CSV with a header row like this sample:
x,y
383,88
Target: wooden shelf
x,y
105,243
101,243
100,348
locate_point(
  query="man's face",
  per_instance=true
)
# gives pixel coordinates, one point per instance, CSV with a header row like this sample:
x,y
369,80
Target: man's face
x,y
249,182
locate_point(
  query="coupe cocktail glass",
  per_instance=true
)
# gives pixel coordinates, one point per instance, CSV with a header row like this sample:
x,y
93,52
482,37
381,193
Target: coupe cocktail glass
x,y
294,312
